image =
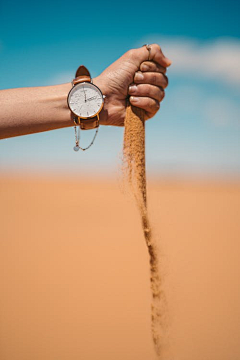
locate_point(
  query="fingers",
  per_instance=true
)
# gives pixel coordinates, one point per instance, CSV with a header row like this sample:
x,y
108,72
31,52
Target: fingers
x,y
152,66
150,105
137,56
153,78
146,90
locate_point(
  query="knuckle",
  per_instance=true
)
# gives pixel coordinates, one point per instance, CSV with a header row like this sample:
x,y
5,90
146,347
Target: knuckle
x,y
130,53
166,80
147,91
157,47
154,105
160,69
162,95
163,70
154,79
159,95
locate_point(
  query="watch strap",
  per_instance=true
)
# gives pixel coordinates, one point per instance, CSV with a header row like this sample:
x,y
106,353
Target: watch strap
x,y
82,71
81,79
86,124
82,75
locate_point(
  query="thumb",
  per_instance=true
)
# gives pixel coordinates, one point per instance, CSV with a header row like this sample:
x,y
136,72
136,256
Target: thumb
x,y
153,54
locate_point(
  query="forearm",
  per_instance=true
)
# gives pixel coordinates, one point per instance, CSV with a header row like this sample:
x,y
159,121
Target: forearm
x,y
30,110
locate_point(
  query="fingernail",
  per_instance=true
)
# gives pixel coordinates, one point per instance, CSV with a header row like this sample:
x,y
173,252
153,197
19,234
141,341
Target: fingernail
x,y
139,76
134,99
132,88
145,67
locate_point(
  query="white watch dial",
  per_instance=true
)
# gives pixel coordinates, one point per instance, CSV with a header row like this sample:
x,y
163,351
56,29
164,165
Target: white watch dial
x,y
85,100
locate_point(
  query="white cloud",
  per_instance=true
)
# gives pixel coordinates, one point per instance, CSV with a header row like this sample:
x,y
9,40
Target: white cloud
x,y
217,59
220,111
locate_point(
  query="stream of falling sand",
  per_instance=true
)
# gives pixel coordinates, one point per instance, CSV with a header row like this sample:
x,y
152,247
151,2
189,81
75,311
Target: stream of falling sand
x,y
135,173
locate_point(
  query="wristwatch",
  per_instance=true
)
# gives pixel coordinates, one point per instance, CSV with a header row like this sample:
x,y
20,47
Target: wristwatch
x,y
85,101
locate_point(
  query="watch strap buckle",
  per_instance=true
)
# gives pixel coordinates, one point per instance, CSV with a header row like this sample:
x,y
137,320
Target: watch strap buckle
x,y
87,124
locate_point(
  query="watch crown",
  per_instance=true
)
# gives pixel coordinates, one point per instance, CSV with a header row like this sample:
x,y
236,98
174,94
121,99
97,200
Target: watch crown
x,y
104,96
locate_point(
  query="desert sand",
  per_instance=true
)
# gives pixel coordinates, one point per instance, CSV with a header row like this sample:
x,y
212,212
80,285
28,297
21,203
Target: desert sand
x,y
74,274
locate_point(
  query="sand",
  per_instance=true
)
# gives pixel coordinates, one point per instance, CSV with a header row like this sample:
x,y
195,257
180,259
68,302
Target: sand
x,y
69,287
134,174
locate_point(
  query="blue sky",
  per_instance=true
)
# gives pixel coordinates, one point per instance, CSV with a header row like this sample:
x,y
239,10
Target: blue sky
x,y
198,127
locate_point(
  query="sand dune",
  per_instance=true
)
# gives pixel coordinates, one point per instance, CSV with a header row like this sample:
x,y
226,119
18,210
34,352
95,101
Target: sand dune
x,y
74,274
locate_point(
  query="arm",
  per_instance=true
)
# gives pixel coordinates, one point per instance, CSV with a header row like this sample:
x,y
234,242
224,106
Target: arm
x,y
30,110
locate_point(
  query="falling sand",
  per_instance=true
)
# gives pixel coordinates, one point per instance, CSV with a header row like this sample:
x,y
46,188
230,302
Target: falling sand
x,y
135,173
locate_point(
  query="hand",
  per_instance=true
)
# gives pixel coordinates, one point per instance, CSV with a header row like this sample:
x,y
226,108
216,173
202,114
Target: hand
x,y
133,75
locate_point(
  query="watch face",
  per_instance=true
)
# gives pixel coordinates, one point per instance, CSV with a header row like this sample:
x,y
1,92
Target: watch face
x,y
85,100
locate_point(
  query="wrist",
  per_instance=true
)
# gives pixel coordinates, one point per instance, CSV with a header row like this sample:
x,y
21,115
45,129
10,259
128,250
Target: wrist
x,y
103,115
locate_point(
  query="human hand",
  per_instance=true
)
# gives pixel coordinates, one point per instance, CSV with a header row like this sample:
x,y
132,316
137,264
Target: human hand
x,y
135,76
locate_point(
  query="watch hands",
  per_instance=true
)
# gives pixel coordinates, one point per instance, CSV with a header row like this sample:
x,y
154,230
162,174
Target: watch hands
x,y
84,94
91,98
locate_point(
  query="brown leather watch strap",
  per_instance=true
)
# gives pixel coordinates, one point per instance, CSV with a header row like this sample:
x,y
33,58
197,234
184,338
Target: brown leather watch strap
x,y
82,71
89,124
86,124
82,75
80,79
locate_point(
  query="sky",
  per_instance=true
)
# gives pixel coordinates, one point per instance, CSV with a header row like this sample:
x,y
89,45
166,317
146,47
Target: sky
x,y
196,131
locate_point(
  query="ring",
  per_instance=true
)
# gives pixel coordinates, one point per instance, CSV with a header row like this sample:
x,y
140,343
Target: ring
x,y
148,47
